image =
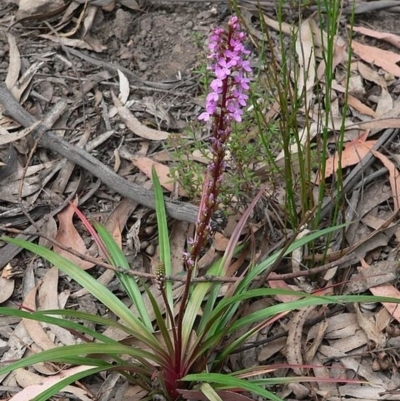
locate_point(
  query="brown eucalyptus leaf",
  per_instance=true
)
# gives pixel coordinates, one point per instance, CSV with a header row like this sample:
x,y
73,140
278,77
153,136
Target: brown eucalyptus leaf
x,y
294,354
369,327
6,289
135,125
69,237
34,328
14,67
34,384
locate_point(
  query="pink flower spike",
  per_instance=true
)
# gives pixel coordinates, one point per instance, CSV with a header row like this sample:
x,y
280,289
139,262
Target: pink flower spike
x,y
224,105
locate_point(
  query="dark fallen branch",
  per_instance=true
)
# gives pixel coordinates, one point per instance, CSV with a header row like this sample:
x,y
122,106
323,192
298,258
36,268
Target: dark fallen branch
x,y
362,7
178,210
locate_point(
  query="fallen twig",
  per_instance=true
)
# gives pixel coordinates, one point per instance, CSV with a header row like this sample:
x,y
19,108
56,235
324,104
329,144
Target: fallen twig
x,y
178,210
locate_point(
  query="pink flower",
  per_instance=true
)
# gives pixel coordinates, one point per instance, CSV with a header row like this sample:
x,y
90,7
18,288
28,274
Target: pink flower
x,y
204,116
230,70
216,85
224,104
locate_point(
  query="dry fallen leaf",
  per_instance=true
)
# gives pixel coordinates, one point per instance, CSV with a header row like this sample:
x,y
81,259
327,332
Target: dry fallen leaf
x,y
33,327
385,104
386,36
48,299
220,241
377,124
178,238
394,177
124,88
6,287
69,237
132,4
351,363
34,384
359,106
283,27
294,354
385,290
369,327
145,165
15,136
135,125
353,153
379,273
76,43
116,221
18,342
42,9
306,57
14,63
370,74
382,58
282,285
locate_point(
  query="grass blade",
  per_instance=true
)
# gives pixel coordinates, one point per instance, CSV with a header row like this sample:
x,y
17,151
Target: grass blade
x,y
105,296
163,236
228,382
129,283
71,351
53,390
46,317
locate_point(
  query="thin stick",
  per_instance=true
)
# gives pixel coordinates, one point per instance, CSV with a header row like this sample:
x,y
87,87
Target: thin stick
x,y
178,210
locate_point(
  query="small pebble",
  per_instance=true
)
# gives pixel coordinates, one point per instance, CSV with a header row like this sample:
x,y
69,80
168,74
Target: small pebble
x,y
150,250
145,25
142,66
144,245
149,230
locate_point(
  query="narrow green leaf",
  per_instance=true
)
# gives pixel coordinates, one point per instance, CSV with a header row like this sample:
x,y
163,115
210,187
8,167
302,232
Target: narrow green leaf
x,y
105,296
49,317
196,298
309,300
225,382
59,386
163,235
214,295
161,324
260,268
71,351
129,283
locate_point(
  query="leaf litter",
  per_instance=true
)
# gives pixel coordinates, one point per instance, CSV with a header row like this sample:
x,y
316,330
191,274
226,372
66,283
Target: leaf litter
x,y
38,80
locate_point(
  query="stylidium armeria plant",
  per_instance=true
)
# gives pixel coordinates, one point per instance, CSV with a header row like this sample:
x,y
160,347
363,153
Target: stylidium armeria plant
x,y
176,354
224,105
